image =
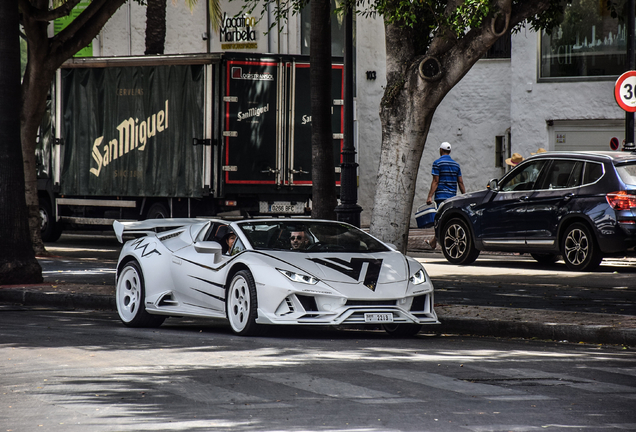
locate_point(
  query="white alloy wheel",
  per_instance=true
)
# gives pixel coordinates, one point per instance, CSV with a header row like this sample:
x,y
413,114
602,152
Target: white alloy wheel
x,y
130,299
129,295
241,304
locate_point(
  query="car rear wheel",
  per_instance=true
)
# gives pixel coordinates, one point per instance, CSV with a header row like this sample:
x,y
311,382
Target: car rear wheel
x,y
402,330
241,304
457,243
130,297
579,248
547,258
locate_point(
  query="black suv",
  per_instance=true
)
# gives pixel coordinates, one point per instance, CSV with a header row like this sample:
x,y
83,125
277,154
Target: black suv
x,y
578,205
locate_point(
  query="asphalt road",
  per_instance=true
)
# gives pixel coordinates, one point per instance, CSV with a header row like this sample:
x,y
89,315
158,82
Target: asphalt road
x,y
78,371
493,280
520,282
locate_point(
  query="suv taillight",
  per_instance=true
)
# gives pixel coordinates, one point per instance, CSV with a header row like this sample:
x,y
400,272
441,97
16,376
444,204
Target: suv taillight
x,y
621,200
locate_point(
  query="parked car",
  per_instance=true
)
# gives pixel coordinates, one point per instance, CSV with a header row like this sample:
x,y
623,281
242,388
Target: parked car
x,y
577,205
268,271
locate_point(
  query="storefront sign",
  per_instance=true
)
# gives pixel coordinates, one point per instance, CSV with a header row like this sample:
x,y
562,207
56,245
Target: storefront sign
x,y
238,32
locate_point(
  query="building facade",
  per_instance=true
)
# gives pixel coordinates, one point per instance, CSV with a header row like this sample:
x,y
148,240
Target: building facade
x,y
552,91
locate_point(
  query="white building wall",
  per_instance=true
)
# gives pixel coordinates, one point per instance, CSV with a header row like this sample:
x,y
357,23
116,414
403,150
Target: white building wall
x,y
534,103
370,55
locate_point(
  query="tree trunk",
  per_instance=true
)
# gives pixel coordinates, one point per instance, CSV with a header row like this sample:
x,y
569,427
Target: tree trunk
x,y
45,56
17,259
34,94
155,27
411,97
323,173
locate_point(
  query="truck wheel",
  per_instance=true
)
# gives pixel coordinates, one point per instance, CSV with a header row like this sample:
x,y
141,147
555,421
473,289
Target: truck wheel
x,y
157,211
579,248
457,243
50,230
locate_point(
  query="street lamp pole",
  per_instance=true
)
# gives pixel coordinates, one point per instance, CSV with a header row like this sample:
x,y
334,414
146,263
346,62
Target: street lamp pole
x,y
348,210
631,65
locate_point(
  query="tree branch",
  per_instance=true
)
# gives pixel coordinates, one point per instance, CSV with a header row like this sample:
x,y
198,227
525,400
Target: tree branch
x,y
82,30
39,14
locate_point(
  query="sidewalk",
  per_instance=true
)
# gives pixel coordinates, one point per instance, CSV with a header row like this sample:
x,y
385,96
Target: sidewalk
x,y
470,320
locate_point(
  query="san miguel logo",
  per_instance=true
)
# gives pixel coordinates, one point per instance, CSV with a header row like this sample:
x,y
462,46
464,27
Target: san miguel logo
x,y
366,270
252,112
133,134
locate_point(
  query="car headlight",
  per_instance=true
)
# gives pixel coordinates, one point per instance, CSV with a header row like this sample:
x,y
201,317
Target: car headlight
x,y
297,277
418,278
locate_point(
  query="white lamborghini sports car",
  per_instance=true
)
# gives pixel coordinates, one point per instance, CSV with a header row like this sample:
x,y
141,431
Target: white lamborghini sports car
x,y
276,271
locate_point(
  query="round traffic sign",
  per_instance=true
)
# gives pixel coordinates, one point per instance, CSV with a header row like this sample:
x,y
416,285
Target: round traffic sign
x,y
614,143
625,91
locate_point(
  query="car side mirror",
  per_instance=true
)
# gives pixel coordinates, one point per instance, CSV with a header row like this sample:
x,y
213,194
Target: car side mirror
x,y
493,185
209,247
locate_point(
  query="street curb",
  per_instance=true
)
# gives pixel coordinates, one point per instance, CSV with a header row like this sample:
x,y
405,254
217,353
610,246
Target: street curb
x,y
58,299
597,334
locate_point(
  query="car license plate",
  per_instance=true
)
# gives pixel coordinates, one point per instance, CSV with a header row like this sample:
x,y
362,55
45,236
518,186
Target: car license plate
x,y
378,317
282,207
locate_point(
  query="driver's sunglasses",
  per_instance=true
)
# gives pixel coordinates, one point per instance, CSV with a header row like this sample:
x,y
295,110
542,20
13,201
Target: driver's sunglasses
x,y
297,237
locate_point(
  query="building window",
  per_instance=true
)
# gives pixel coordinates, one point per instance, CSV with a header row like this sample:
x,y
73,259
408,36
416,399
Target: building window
x,y
500,49
499,151
588,43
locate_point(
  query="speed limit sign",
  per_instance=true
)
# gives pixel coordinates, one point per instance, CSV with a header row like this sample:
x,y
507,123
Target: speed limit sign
x,y
625,91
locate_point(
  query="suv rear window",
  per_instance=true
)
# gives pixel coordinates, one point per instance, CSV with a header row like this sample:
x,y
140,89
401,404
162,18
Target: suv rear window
x,y
627,173
593,172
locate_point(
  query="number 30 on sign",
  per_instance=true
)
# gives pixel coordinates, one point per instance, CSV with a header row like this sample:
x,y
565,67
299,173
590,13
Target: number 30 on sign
x,y
625,91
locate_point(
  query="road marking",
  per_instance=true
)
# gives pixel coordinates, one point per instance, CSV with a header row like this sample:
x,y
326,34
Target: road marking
x,y
324,386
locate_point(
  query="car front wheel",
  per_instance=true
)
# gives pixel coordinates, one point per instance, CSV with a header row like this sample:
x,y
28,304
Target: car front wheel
x,y
130,297
579,248
457,244
241,304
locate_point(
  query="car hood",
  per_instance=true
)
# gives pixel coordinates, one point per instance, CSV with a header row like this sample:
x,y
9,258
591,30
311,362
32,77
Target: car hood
x,y
380,268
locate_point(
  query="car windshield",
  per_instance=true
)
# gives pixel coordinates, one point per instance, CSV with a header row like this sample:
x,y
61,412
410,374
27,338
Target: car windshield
x,y
627,173
309,236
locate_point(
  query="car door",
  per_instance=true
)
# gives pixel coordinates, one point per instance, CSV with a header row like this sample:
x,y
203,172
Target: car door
x,y
549,203
503,219
198,278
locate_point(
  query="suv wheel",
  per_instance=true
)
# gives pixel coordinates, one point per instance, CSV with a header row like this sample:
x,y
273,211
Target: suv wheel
x,y
457,243
579,248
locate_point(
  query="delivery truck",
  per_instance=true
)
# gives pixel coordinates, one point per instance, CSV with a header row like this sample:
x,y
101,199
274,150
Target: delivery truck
x,y
133,138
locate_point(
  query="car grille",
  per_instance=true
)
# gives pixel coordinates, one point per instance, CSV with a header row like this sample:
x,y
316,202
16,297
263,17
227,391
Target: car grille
x,y
371,302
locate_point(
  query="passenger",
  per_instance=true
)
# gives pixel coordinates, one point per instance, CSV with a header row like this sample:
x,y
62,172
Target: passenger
x,y
230,238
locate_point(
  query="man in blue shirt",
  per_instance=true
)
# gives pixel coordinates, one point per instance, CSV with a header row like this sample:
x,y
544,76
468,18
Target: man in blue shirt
x,y
447,175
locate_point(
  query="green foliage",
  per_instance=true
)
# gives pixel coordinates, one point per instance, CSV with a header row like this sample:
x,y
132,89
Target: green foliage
x,y
423,18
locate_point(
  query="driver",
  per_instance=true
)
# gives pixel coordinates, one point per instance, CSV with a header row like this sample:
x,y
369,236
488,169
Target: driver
x,y
298,240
